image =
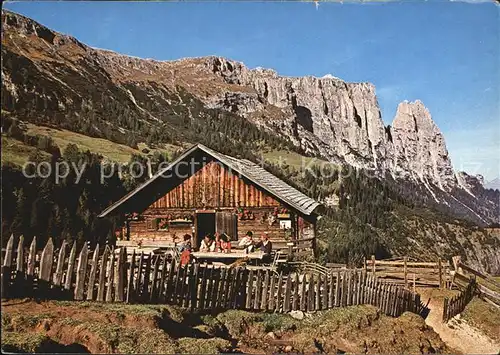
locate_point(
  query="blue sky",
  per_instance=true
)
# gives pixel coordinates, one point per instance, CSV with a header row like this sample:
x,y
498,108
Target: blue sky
x,y
443,53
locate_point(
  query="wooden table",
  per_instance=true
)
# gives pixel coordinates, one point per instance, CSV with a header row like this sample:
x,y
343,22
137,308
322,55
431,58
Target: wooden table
x,y
257,255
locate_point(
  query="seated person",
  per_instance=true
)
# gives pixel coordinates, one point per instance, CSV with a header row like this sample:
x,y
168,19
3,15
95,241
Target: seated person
x,y
216,245
206,243
186,256
247,242
265,246
225,243
185,244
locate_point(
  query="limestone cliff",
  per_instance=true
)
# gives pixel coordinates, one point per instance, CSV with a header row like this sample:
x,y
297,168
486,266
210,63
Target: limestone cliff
x,y
342,122
419,147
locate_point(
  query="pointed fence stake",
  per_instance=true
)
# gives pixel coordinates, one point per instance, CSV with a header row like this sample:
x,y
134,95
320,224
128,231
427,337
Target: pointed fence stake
x,y
81,273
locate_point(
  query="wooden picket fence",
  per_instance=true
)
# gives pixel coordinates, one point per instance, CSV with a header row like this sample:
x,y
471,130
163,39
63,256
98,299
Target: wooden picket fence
x,y
457,304
487,286
112,276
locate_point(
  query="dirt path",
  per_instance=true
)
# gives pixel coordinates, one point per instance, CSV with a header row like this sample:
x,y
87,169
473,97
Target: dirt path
x,y
457,334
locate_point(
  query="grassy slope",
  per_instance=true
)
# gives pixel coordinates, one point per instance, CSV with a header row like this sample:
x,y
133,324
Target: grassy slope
x,y
292,159
16,152
113,151
484,316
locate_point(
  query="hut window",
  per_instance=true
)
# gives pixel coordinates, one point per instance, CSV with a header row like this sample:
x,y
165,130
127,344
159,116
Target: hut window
x,y
161,224
285,224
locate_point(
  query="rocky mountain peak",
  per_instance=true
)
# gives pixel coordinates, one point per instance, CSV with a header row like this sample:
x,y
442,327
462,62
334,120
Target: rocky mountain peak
x,y
413,115
419,145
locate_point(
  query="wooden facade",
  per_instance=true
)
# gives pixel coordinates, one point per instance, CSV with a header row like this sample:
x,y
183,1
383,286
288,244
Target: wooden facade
x,y
214,198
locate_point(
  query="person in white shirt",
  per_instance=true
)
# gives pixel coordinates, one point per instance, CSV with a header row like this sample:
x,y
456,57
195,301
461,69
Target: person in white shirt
x,y
206,243
247,242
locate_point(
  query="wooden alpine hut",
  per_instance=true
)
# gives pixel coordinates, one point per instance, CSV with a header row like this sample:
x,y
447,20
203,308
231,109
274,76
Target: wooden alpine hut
x,y
204,191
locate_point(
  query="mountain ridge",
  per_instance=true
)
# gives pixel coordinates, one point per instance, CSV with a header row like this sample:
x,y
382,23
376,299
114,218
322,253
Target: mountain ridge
x,y
54,83
325,116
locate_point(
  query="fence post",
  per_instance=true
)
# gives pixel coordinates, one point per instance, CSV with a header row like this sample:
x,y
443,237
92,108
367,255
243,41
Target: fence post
x,y
203,285
81,272
445,310
373,265
154,280
310,303
317,293
111,277
60,265
288,292
295,305
30,270
193,289
145,281
248,302
102,275
20,266
7,267
279,292
120,275
303,292
46,261
406,270
93,271
440,273
163,275
189,284
256,303
130,281
71,264
265,290
271,292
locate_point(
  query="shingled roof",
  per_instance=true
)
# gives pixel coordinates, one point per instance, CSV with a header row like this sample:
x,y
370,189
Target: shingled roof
x,y
253,172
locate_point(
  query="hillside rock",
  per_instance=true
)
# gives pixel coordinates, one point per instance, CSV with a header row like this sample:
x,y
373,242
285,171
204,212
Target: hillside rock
x,y
470,183
339,119
326,114
419,146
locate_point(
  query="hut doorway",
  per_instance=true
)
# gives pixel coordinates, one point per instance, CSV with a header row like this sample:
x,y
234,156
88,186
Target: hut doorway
x,y
205,224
